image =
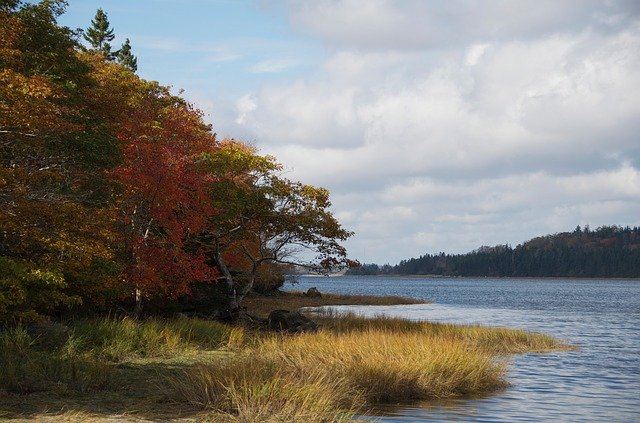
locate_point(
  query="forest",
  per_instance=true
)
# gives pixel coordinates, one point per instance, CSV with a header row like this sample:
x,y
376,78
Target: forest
x,y
115,193
608,251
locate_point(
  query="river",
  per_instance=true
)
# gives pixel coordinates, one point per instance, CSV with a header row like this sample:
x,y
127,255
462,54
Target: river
x,y
598,382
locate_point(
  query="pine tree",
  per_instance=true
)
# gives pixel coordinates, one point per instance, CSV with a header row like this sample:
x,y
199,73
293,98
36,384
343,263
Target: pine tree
x,y
126,58
99,35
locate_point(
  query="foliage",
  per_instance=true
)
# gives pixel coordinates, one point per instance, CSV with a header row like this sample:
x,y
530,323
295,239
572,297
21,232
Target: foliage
x,y
28,292
165,198
264,218
117,187
53,192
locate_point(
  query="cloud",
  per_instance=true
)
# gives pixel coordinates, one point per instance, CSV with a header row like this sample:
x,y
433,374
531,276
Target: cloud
x,y
245,105
273,65
553,104
417,24
489,126
428,215
474,53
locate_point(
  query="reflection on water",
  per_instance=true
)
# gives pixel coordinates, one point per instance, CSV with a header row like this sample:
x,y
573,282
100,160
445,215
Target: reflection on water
x,y
599,382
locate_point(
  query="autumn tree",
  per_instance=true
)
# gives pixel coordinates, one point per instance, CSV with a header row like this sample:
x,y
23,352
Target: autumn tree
x,y
165,198
112,187
264,219
53,219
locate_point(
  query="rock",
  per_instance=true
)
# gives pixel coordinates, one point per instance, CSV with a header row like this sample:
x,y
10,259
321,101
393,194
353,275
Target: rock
x,y
313,293
290,321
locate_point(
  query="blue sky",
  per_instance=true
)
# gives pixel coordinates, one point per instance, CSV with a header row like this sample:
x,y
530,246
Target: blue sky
x,y
216,51
436,125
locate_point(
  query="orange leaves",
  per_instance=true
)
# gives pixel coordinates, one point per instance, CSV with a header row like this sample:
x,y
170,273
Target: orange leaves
x,y
10,31
117,93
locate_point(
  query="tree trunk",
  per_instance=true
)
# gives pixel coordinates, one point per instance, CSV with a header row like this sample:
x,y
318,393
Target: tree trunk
x,y
233,303
250,283
137,311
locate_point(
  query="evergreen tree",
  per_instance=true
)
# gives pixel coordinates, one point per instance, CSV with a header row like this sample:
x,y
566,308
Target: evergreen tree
x,y
126,58
99,35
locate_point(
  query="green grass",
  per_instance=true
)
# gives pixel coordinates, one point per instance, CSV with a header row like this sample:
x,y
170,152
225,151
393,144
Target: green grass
x,y
79,360
203,370
118,340
25,367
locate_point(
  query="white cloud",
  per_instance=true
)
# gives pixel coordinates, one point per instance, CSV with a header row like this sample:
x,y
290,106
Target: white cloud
x,y
523,124
418,24
273,65
474,53
245,105
544,104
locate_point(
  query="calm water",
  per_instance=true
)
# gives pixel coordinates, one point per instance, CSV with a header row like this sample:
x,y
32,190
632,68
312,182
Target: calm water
x,y
599,382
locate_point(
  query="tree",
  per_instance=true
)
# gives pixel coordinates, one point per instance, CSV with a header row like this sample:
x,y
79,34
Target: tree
x,y
126,58
164,199
110,185
54,213
99,35
264,218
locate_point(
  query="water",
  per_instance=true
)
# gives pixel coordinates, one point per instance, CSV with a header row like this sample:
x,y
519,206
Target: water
x,y
598,382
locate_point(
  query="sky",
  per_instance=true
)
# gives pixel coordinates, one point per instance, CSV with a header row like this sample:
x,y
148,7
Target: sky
x,y
436,125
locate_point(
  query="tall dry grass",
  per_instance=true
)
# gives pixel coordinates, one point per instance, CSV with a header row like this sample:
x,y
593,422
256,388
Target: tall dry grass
x,y
326,376
383,366
248,388
495,340
27,366
351,364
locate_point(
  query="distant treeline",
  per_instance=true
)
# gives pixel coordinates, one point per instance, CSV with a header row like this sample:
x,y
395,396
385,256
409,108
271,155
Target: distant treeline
x,y
609,251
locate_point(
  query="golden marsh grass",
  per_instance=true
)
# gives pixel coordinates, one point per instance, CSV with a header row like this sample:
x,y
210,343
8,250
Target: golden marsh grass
x,y
168,369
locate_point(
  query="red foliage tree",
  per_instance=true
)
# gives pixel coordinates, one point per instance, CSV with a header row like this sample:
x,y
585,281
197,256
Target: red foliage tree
x,y
165,198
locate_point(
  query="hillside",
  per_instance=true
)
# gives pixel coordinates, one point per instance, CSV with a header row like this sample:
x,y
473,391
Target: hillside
x,y
608,251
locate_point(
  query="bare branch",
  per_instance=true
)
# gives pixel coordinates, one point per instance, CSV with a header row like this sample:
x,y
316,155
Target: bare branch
x,y
26,134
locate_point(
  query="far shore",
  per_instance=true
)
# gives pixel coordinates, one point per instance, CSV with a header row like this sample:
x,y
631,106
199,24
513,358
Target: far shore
x,y
419,276
261,305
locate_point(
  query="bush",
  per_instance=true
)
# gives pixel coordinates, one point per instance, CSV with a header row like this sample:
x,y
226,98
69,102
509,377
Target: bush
x,y
28,292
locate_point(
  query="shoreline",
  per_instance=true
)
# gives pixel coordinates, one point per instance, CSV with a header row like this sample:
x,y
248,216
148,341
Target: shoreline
x,y
261,305
418,276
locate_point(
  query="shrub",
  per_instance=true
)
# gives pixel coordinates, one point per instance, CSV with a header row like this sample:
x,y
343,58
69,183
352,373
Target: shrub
x,y
28,292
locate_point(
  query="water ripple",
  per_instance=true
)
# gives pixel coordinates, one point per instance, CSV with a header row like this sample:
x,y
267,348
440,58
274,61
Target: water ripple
x,y
599,382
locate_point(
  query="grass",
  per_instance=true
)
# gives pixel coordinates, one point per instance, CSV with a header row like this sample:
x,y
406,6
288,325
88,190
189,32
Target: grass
x,y
26,368
199,370
257,389
79,361
494,340
383,366
118,340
